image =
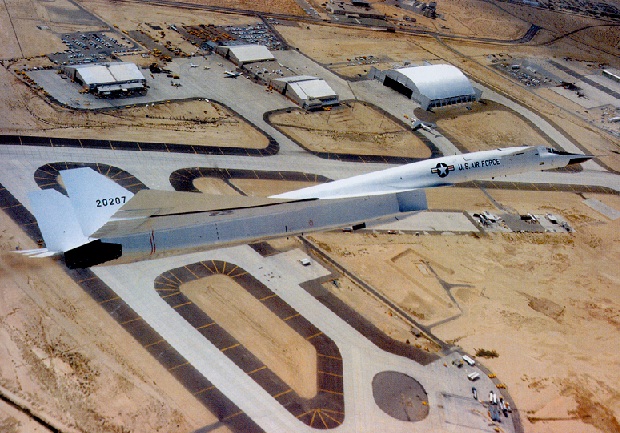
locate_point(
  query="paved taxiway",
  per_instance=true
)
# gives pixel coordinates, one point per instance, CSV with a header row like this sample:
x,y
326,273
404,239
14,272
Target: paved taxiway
x,y
18,163
361,359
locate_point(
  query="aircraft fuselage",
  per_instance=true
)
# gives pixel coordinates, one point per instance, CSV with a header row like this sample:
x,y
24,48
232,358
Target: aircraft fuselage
x,y
447,170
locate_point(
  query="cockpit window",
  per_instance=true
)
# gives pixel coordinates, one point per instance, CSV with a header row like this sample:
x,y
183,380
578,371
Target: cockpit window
x,y
557,152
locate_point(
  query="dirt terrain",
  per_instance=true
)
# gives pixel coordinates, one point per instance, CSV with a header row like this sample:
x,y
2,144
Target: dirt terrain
x,y
128,16
461,199
328,46
191,122
250,187
213,186
252,324
596,43
353,128
199,122
375,311
547,303
474,18
71,363
27,27
476,128
265,188
272,6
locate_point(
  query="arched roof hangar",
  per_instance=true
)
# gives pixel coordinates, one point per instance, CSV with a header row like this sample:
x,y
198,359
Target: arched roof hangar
x,y
432,85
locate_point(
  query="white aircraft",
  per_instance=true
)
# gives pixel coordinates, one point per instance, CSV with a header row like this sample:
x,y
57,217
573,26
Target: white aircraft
x,y
417,124
231,74
100,220
192,65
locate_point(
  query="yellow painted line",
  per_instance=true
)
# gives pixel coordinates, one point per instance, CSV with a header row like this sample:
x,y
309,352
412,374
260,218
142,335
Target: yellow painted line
x,y
171,294
177,278
223,271
332,411
304,414
170,282
87,279
155,343
230,347
131,320
282,393
273,295
313,416
258,369
175,289
190,271
232,270
181,305
215,266
178,366
293,316
331,417
108,300
232,416
329,356
321,416
331,392
209,388
239,275
329,374
206,325
315,335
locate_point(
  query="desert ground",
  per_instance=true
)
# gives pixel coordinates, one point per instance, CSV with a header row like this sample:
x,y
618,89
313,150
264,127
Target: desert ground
x,y
323,44
353,128
71,363
546,303
257,329
476,128
186,122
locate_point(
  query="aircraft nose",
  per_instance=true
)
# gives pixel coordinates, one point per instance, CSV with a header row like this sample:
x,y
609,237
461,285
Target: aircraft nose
x,y
576,158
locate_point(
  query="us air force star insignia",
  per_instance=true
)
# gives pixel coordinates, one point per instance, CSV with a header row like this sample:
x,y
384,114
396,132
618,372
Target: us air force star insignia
x,y
442,169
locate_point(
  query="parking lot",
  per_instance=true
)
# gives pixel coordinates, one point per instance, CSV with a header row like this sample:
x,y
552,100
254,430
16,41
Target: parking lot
x,y
92,47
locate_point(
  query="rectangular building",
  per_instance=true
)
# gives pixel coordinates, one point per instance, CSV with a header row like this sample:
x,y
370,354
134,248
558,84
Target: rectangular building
x,y
108,79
